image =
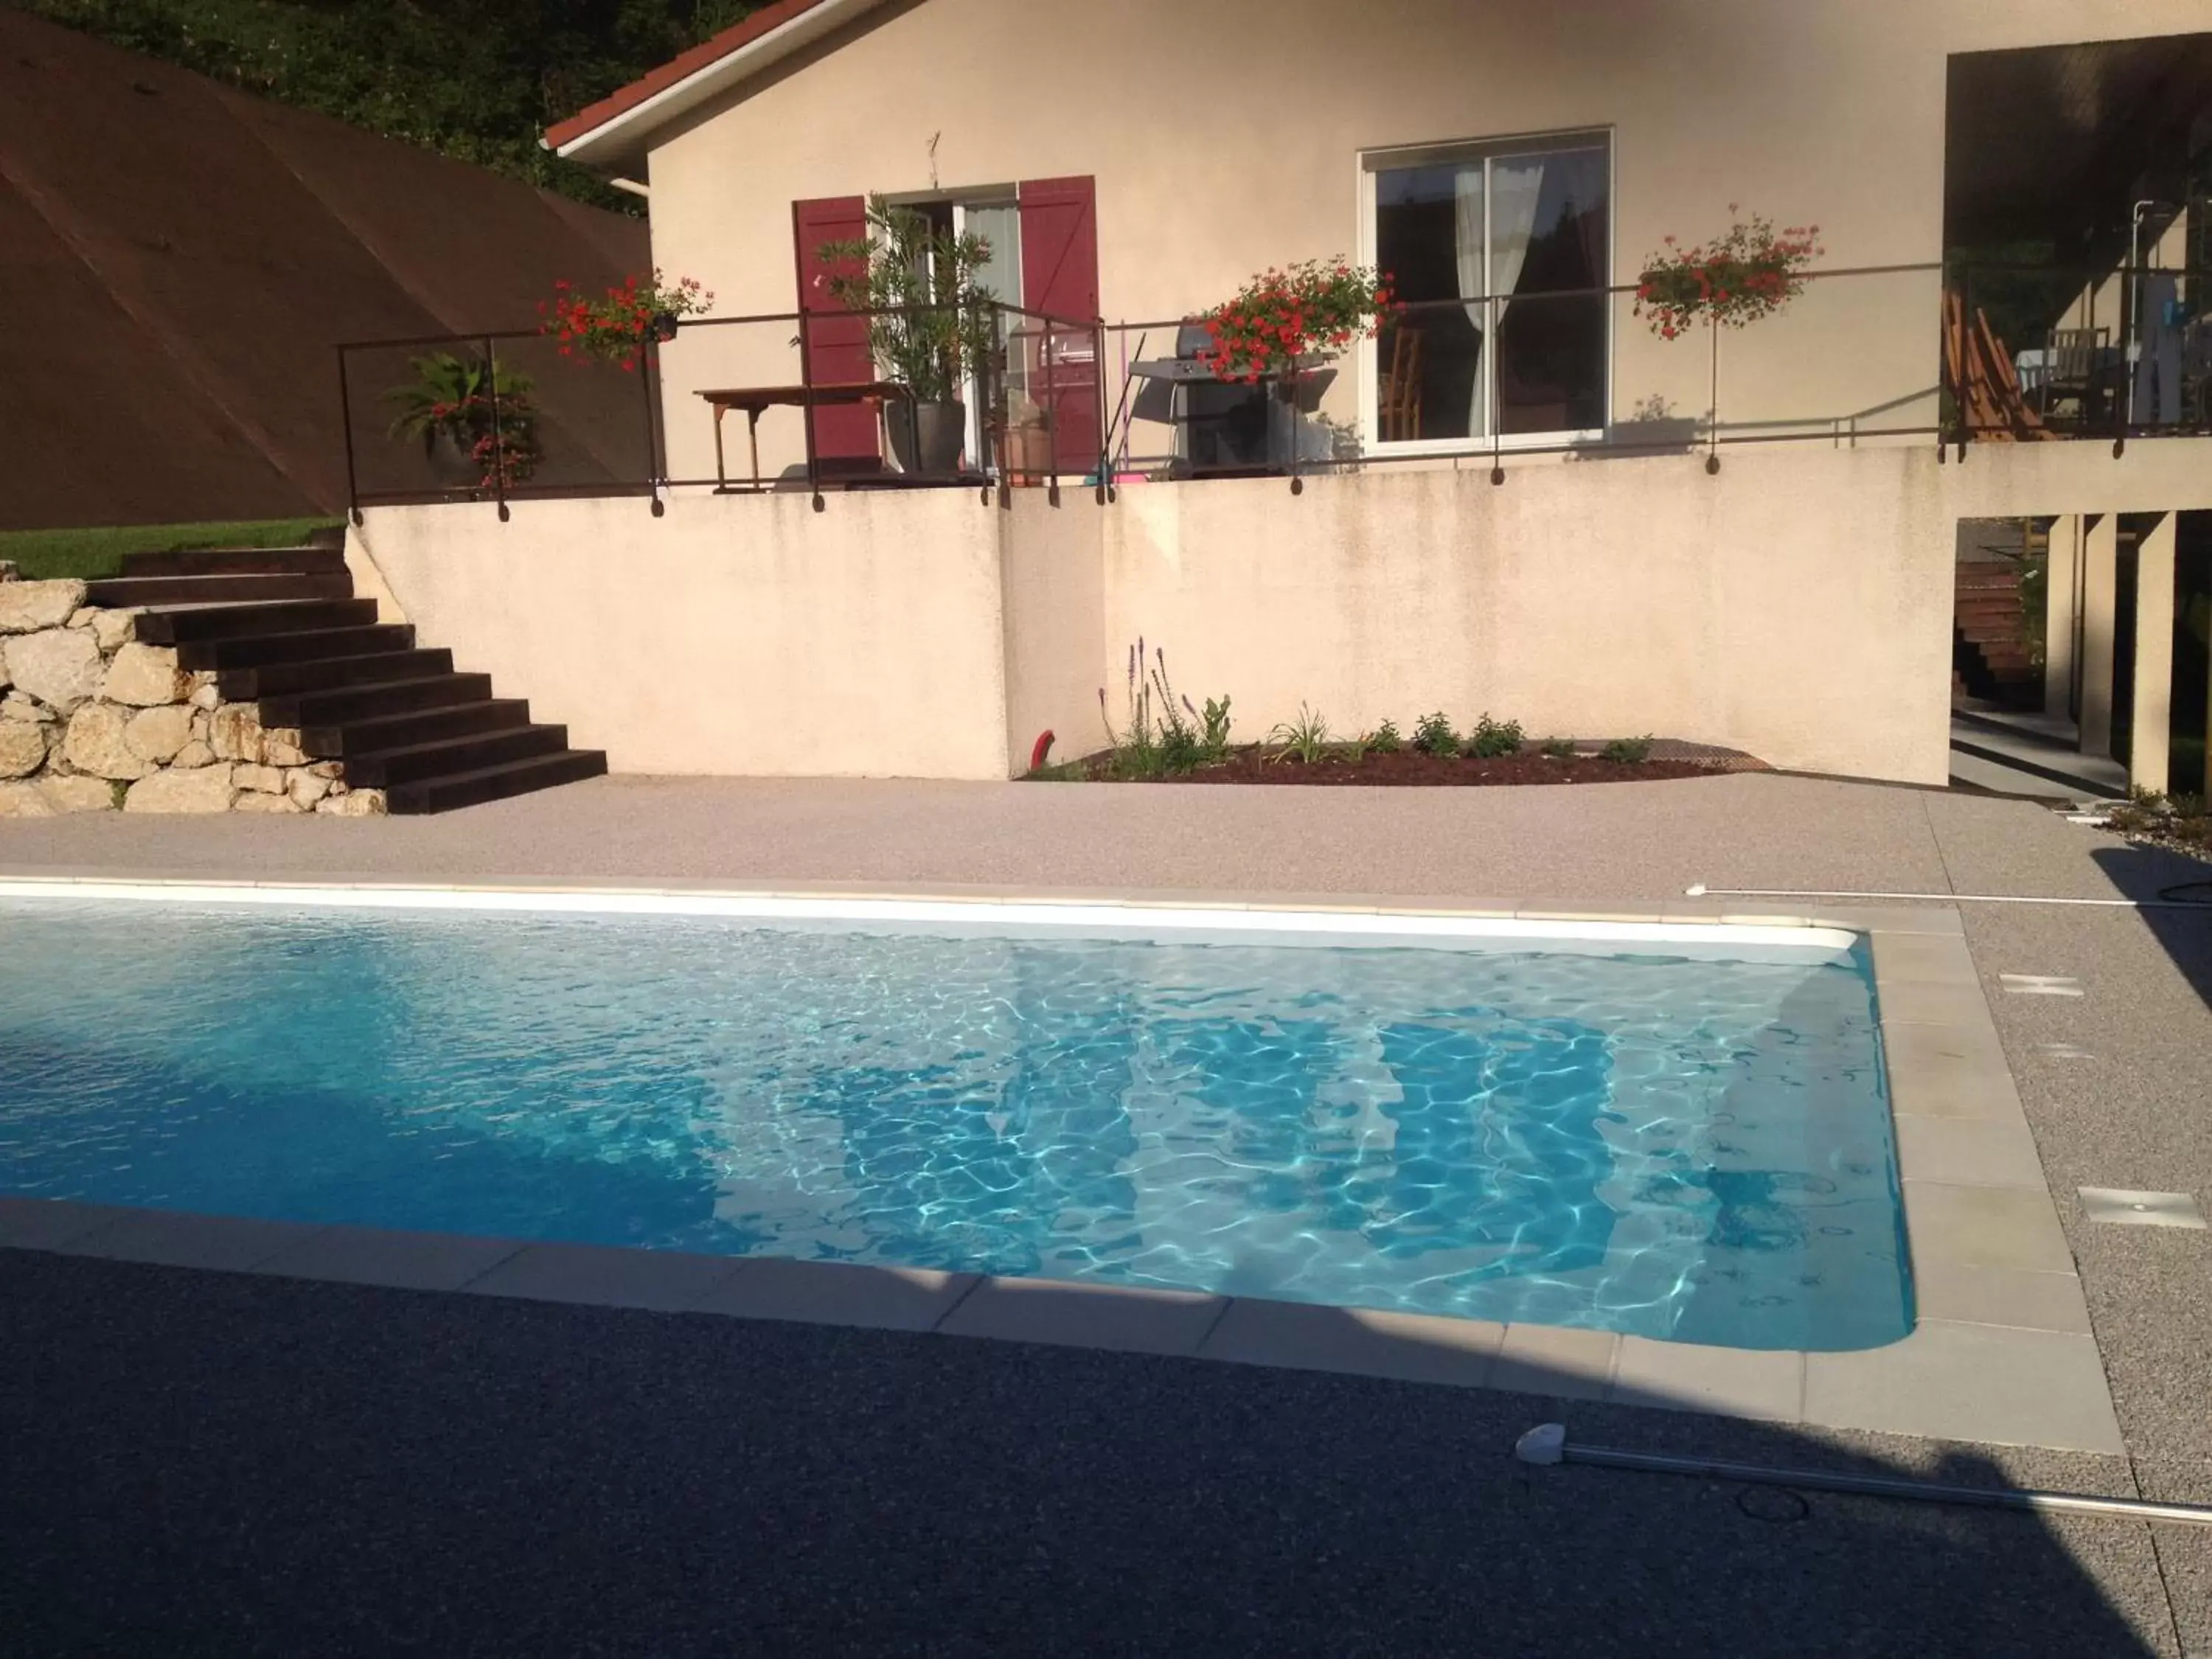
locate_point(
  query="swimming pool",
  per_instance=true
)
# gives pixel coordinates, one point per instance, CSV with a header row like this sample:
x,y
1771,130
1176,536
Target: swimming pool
x,y
1681,1134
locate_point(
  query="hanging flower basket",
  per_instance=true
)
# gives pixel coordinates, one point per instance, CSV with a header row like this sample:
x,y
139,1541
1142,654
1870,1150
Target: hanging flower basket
x,y
1750,271
623,321
1283,317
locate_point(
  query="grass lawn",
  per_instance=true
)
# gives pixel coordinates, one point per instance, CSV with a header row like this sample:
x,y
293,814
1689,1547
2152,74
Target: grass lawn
x,y
40,554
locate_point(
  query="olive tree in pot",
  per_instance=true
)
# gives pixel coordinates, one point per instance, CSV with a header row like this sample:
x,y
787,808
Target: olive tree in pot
x,y
929,323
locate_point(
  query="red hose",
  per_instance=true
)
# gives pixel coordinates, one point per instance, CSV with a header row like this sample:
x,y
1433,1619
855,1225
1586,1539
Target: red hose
x,y
1039,749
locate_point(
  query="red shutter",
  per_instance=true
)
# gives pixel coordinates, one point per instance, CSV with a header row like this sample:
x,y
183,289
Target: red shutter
x,y
836,346
1060,277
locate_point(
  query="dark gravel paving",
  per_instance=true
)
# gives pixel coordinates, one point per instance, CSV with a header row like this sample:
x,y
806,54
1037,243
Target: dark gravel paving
x,y
199,1463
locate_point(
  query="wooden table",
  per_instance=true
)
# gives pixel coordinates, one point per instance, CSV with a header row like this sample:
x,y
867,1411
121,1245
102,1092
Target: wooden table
x,y
755,398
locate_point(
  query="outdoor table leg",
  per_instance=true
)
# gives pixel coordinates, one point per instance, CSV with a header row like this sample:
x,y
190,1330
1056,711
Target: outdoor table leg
x,y
721,482
753,439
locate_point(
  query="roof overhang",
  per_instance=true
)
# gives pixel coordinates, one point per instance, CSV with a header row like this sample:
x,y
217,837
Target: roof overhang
x,y
618,128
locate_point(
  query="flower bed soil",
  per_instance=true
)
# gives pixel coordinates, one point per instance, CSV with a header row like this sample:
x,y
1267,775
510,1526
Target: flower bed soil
x,y
1410,769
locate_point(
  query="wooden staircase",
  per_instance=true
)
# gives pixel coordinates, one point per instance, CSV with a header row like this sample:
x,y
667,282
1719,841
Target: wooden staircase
x,y
281,627
1990,656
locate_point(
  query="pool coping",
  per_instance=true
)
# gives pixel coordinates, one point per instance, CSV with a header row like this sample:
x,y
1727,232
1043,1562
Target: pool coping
x,y
2001,1351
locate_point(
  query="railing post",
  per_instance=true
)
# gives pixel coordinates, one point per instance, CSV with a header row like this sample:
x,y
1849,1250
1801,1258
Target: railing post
x,y
1486,366
1288,394
1713,405
498,443
1105,491
650,381
345,416
1965,358
1051,417
806,407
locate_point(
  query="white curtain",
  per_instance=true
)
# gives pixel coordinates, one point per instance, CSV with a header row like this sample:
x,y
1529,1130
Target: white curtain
x,y
1516,185
1467,204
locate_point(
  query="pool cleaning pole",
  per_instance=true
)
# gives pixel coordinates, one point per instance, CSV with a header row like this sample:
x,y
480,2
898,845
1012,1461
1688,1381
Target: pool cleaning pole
x,y
1546,1443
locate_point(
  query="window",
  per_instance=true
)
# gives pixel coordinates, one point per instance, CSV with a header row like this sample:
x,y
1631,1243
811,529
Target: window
x,y
1493,247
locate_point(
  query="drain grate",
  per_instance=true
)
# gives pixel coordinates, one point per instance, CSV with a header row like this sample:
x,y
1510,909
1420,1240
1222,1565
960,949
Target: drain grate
x,y
2126,1209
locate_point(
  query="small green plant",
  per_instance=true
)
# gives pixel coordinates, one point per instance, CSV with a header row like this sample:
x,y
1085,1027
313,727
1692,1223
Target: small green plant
x,y
1163,733
1628,752
1493,739
1559,749
2151,800
1384,739
1433,735
1305,739
2187,806
486,412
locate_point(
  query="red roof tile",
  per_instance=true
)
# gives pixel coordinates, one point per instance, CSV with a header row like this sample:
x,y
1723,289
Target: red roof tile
x,y
708,51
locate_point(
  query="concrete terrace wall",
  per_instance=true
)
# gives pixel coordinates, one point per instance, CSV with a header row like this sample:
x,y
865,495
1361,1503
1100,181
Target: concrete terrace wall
x,y
738,635
1797,605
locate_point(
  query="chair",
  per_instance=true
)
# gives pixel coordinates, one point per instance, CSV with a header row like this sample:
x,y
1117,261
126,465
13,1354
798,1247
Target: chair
x,y
2076,369
1399,404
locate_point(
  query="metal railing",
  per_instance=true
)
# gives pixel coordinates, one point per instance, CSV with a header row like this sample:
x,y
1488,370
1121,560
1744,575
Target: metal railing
x,y
2023,352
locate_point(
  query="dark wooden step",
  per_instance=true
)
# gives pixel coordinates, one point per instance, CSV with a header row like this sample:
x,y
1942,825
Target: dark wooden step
x,y
402,730
330,673
443,794
225,589
235,562
367,701
445,756
254,650
230,622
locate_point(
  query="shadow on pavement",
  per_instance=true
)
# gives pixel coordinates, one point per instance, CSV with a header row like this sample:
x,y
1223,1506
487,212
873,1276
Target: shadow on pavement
x,y
2152,873
208,1464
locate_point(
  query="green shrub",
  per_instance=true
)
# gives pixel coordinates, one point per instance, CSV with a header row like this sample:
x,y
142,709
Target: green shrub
x,y
1163,733
1491,738
1384,739
1305,739
1630,751
1433,735
1559,749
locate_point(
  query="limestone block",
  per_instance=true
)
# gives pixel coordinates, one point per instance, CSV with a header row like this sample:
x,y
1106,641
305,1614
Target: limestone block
x,y
193,754
60,667
280,746
17,707
235,733
83,616
96,744
354,803
111,630
144,675
157,734
203,789
251,801
304,787
263,779
66,793
30,607
23,800
22,748
205,696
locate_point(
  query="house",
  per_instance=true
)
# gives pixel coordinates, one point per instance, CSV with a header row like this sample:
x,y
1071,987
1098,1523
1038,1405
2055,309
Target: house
x,y
1519,497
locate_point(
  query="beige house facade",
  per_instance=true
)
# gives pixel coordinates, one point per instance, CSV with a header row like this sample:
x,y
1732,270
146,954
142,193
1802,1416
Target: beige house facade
x,y
1582,525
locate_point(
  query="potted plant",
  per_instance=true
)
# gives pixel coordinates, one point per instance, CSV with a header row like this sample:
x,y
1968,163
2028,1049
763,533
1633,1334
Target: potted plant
x,y
448,408
929,323
1282,321
624,320
1750,271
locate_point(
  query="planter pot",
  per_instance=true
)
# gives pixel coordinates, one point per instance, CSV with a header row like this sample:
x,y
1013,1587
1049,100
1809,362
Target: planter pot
x,y
452,467
927,438
663,326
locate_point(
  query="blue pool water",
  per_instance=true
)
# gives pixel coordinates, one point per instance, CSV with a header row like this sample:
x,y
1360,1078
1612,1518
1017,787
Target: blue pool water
x,y
1693,1149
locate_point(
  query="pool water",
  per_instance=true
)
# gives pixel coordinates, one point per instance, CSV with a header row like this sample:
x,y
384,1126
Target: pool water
x,y
1688,1149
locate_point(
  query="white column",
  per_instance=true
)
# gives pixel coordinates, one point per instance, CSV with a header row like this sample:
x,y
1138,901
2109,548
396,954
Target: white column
x,y
2153,726
2058,582
2100,577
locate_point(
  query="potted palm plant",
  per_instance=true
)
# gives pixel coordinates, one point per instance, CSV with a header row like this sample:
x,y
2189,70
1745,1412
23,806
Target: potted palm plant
x,y
469,441
929,323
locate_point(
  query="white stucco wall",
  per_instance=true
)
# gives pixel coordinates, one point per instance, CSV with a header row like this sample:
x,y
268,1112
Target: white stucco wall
x,y
737,635
1827,110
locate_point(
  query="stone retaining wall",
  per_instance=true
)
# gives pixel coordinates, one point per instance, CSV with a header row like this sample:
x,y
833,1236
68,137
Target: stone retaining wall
x,y
92,720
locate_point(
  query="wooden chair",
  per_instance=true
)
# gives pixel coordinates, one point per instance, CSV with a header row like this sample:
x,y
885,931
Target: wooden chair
x,y
1399,404
2076,366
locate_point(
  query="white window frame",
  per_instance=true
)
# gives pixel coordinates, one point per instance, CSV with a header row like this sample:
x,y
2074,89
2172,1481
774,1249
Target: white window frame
x,y
1372,161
